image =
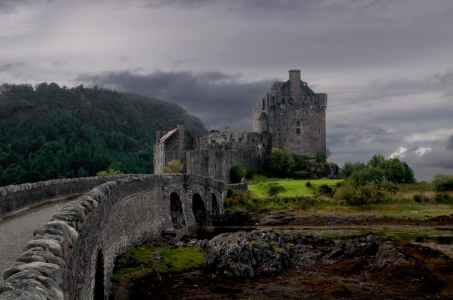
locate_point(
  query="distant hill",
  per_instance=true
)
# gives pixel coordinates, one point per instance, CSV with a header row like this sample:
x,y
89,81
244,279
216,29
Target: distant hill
x,y
49,132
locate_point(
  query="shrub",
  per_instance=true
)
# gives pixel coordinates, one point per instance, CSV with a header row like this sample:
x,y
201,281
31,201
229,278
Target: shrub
x,y
324,190
174,166
442,183
308,184
110,172
273,189
358,195
249,174
418,198
281,162
237,173
390,187
237,198
444,198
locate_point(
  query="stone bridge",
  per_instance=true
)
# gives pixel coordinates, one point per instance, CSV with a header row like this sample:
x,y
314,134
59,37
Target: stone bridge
x,y
72,257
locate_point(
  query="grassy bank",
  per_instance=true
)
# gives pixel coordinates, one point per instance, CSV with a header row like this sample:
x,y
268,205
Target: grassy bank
x,y
137,262
397,200
292,188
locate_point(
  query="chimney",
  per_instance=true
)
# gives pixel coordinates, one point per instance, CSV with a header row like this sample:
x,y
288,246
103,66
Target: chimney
x,y
294,79
180,129
228,133
158,135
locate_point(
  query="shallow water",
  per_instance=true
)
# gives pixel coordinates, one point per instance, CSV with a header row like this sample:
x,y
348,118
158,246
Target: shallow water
x,y
418,235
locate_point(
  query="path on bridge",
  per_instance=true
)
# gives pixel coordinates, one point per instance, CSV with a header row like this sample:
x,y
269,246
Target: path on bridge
x,y
17,231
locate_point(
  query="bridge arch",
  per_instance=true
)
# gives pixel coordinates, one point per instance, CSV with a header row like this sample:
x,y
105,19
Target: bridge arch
x,y
99,288
215,205
199,209
176,211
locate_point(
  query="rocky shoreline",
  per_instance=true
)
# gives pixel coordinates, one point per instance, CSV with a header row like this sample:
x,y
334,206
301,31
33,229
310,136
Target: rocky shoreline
x,y
244,218
266,264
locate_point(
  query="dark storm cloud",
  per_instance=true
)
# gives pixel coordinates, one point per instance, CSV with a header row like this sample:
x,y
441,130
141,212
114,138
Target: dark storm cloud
x,y
439,82
258,8
8,6
450,143
216,98
10,66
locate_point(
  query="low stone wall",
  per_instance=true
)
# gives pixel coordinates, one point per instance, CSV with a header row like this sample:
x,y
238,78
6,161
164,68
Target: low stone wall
x,y
14,197
72,256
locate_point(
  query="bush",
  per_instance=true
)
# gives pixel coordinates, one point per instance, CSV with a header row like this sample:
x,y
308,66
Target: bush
x,y
308,184
442,183
174,166
237,197
237,173
273,189
249,174
390,187
281,162
321,157
444,198
110,172
354,194
324,190
418,198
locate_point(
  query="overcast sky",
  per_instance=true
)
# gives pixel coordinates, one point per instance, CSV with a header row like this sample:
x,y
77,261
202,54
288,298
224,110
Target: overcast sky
x,y
387,66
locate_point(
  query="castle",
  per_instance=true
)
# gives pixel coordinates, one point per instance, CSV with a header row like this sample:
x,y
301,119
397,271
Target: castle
x,y
290,114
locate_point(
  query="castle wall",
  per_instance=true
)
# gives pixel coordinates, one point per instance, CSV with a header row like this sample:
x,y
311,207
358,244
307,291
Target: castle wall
x,y
216,160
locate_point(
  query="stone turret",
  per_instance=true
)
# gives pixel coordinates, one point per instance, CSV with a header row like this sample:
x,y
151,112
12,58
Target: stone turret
x,y
294,81
158,136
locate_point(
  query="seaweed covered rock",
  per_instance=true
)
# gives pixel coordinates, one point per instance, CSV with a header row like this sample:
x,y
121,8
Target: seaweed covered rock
x,y
246,254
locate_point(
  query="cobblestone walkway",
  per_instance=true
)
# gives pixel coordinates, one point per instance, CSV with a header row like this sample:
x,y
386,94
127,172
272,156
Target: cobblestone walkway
x,y
17,231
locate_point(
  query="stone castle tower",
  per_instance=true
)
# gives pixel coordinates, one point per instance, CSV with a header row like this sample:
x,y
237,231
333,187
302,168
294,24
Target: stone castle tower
x,y
294,115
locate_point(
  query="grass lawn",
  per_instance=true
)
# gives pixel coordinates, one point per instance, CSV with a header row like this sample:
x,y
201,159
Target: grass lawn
x,y
292,187
301,199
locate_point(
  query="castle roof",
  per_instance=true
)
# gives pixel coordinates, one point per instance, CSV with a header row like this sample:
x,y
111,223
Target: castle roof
x,y
214,134
276,84
167,135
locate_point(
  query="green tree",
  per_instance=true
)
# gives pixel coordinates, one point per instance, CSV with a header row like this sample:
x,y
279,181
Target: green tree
x,y
350,167
394,170
367,175
237,173
281,162
376,160
82,173
442,183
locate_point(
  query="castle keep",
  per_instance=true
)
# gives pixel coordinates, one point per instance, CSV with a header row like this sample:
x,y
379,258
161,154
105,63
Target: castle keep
x,y
294,115
290,114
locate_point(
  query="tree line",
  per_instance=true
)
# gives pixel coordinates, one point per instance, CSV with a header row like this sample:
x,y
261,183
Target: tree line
x,y
48,132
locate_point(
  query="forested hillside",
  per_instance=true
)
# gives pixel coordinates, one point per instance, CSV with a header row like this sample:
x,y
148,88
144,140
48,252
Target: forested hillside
x,y
51,132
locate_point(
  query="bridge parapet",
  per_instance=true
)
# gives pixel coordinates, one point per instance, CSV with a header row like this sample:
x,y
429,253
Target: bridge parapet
x,y
72,256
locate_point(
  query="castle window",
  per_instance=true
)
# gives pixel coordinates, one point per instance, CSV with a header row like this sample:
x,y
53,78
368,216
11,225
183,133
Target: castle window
x,y
290,100
283,101
263,106
319,131
284,124
297,124
297,130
